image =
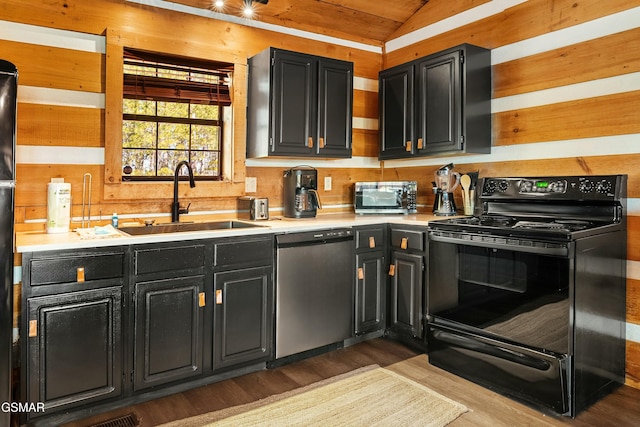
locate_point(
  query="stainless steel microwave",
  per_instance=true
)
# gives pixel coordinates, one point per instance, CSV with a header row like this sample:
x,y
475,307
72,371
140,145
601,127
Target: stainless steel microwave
x,y
385,197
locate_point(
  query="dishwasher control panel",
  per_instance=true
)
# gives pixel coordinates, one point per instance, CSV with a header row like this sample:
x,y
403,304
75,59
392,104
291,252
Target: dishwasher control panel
x,y
318,236
333,234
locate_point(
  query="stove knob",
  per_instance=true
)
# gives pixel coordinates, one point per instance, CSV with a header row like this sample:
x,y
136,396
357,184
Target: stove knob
x,y
526,186
503,186
586,186
490,187
603,187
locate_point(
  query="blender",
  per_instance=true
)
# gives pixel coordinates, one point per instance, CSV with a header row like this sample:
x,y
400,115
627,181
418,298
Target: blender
x,y
446,180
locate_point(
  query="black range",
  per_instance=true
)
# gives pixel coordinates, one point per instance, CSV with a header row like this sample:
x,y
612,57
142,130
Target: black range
x,y
528,296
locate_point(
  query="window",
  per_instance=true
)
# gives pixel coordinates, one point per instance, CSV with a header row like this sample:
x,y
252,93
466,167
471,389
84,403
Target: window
x,y
173,110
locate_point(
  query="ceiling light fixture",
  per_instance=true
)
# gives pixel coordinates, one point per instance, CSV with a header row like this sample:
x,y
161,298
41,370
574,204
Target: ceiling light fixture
x,y
247,9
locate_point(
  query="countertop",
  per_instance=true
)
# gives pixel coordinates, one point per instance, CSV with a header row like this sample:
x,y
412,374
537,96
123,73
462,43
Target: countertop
x,y
40,241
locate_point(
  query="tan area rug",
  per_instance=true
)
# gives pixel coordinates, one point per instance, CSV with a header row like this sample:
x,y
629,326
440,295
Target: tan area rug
x,y
370,396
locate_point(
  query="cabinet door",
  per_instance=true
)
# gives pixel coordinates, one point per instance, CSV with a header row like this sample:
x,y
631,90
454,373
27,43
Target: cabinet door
x,y
370,292
74,347
243,311
406,292
396,112
439,106
168,330
294,104
335,89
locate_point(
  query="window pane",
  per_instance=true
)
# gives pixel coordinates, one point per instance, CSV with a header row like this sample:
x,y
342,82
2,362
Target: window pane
x,y
202,111
173,109
169,124
204,137
168,159
141,162
173,135
205,163
138,134
139,107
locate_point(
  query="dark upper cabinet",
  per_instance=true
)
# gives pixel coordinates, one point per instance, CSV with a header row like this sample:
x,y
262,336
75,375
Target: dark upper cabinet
x,y
439,104
299,105
396,95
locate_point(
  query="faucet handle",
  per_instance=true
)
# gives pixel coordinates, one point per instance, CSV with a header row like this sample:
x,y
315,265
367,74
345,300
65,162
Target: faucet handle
x,y
184,210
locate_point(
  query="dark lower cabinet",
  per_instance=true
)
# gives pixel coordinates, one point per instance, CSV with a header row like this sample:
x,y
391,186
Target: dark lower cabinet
x,y
71,330
74,348
242,316
406,293
168,330
407,282
370,292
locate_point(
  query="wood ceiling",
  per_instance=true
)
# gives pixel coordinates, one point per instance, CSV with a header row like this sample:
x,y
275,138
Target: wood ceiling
x,y
367,21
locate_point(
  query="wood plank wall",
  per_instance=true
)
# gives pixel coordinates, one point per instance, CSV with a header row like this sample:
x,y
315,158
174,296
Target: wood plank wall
x,y
566,84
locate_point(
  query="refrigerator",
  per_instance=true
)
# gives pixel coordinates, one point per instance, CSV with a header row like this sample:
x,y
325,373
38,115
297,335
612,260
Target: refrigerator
x,y
8,107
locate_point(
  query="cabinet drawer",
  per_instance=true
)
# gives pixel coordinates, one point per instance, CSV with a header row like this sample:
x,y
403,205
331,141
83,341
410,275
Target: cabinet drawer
x,y
156,260
241,253
70,269
407,239
370,238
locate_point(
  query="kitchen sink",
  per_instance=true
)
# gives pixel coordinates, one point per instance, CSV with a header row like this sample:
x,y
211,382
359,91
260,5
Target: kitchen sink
x,y
178,227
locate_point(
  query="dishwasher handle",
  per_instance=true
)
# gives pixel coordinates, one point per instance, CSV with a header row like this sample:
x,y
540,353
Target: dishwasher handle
x,y
314,237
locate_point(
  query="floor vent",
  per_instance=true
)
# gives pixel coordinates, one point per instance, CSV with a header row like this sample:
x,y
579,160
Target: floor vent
x,y
129,420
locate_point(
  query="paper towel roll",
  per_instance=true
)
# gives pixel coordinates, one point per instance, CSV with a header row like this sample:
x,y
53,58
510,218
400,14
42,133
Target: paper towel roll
x,y
58,206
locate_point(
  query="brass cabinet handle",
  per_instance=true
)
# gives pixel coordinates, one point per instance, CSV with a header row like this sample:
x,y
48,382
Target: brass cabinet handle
x,y
420,144
408,146
372,242
392,270
310,142
218,296
33,328
404,243
201,300
321,142
80,274
360,273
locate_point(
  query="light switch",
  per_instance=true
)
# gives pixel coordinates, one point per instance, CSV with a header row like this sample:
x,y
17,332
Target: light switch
x,y
327,183
250,184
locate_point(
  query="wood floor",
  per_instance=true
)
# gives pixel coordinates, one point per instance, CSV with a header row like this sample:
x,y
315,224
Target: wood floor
x,y
622,408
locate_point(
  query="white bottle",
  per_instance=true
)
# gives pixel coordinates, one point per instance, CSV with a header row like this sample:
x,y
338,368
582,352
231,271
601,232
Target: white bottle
x,y
58,206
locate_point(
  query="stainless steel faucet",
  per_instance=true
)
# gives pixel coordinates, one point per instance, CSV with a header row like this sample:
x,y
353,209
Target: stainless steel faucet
x,y
175,206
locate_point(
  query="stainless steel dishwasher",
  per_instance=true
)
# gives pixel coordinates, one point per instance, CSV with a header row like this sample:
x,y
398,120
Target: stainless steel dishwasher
x,y
314,290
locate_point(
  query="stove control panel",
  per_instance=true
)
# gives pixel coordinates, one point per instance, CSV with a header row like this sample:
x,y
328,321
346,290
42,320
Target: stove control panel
x,y
604,187
542,186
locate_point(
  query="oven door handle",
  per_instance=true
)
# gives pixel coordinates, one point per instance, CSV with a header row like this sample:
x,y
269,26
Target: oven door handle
x,y
506,243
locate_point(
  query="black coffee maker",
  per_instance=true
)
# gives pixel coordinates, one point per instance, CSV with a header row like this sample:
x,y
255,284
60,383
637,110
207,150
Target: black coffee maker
x,y
301,198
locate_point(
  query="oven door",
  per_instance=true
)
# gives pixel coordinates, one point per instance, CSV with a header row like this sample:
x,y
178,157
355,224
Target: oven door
x,y
498,312
534,377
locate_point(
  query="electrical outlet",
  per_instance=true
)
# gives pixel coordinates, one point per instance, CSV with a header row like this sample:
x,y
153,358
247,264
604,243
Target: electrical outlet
x,y
327,183
250,184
